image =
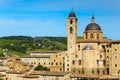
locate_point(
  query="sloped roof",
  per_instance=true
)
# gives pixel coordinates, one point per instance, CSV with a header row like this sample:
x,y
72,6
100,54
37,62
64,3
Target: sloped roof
x,y
88,47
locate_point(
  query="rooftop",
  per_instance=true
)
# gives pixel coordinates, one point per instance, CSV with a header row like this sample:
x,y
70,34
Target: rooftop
x,y
30,76
104,40
45,51
72,14
104,77
15,72
47,73
36,56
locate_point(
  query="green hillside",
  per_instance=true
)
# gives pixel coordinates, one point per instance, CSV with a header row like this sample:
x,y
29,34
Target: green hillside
x,y
22,45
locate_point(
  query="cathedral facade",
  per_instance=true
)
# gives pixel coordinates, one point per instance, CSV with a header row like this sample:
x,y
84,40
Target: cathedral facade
x,y
91,55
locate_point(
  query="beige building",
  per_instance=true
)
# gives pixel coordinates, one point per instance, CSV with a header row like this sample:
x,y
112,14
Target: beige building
x,y
37,60
46,75
91,55
42,53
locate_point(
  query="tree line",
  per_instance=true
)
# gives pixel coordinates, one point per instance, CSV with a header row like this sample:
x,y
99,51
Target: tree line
x,y
22,44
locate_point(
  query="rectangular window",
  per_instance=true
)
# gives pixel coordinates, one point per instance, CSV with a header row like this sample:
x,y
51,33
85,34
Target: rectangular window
x,y
79,62
76,56
59,54
56,63
116,57
83,72
67,69
78,47
60,69
73,62
103,62
44,63
52,63
92,72
97,61
115,65
60,63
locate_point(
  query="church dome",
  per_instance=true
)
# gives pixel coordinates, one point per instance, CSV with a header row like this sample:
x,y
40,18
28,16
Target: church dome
x,y
72,14
93,25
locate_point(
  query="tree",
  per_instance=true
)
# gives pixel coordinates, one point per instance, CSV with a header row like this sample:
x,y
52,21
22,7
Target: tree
x,y
41,68
1,79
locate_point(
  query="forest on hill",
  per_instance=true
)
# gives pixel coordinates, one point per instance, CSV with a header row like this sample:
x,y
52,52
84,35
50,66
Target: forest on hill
x,y
22,45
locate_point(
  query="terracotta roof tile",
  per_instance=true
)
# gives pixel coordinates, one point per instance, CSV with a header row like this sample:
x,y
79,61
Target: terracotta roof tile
x,y
93,41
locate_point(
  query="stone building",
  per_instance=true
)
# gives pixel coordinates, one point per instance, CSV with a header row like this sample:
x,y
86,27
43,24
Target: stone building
x,y
91,55
35,60
38,58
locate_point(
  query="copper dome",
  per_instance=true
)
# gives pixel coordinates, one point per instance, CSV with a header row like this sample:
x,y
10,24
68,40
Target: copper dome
x,y
93,26
72,14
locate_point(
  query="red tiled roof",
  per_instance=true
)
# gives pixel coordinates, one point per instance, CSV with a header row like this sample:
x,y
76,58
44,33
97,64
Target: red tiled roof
x,y
93,41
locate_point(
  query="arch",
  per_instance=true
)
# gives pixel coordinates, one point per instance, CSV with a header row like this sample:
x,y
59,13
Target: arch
x,y
97,35
86,35
71,30
79,62
71,21
91,35
78,47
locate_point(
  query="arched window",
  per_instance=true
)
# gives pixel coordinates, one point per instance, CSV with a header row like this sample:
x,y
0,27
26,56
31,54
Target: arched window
x,y
92,72
97,36
91,35
98,72
71,21
71,30
60,63
78,47
79,62
86,35
73,62
56,63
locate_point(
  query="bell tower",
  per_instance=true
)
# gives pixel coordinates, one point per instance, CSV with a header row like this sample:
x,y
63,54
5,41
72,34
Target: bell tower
x,y
72,32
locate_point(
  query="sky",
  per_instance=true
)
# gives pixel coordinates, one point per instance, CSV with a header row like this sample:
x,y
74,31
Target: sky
x,y
49,17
